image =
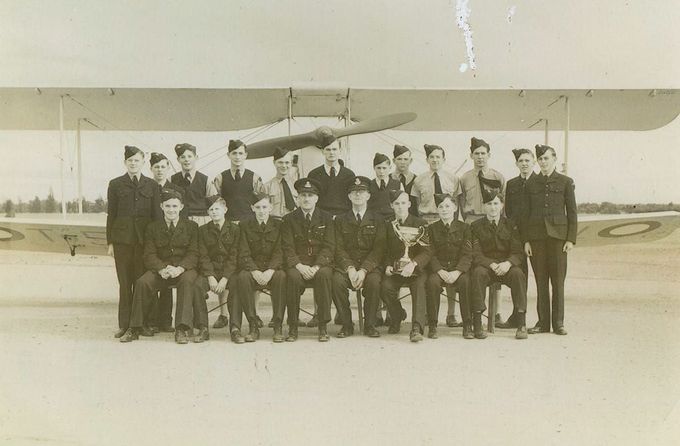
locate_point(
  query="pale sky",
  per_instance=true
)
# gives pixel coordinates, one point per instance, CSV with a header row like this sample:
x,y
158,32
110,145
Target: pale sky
x,y
384,44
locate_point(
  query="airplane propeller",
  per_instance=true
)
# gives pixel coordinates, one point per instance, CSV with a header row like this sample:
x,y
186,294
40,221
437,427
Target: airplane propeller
x,y
325,135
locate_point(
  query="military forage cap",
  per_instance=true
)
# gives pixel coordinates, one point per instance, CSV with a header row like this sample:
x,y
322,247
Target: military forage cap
x,y
439,198
209,201
156,157
279,153
489,194
394,194
379,158
307,185
235,144
132,150
256,197
359,183
169,194
476,143
541,149
520,152
429,148
399,149
181,148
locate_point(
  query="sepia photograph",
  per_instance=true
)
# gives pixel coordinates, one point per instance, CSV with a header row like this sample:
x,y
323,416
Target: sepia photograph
x,y
339,222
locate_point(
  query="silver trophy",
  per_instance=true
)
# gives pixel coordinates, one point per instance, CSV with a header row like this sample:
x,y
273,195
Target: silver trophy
x,y
410,237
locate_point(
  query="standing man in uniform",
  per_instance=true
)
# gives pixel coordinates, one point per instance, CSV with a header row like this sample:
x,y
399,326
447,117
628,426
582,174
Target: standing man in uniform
x,y
403,158
237,184
161,315
381,186
307,240
194,183
451,248
436,180
516,206
413,274
133,202
550,233
282,194
170,258
360,247
218,242
473,183
261,265
333,179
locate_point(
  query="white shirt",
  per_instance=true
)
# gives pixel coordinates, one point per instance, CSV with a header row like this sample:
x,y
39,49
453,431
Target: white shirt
x,y
361,212
327,168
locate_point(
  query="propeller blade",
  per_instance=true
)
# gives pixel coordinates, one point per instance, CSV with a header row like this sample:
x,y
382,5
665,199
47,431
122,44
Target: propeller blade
x,y
265,148
375,124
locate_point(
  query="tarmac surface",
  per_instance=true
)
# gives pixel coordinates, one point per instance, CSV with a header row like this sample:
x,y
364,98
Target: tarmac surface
x,y
614,379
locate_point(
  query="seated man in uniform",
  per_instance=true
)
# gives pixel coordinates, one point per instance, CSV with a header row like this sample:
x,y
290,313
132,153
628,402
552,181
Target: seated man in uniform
x,y
497,253
261,264
307,240
451,259
170,257
412,275
218,247
360,246
381,186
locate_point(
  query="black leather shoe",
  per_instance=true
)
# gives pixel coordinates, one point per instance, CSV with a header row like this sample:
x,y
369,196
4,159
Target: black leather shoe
x,y
477,323
323,333
510,323
498,320
394,328
202,336
432,332
379,321
119,334
129,335
452,322
371,332
260,324
521,332
278,335
467,330
313,322
181,337
221,322
537,329
254,334
560,331
146,331
415,335
346,332
236,336
154,329
167,329
292,333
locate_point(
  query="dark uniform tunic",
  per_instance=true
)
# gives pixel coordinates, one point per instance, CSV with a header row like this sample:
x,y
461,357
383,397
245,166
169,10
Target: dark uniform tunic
x,y
496,245
391,284
361,245
237,194
260,249
164,246
333,193
451,250
550,221
218,250
310,243
380,197
194,193
130,209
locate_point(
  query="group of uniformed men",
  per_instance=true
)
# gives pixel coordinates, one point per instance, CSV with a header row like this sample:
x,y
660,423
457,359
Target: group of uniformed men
x,y
334,232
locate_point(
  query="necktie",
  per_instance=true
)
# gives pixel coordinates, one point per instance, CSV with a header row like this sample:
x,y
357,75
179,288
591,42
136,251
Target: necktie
x,y
493,225
237,177
437,184
332,171
447,226
358,218
262,226
135,181
308,217
382,184
171,229
187,176
287,195
402,178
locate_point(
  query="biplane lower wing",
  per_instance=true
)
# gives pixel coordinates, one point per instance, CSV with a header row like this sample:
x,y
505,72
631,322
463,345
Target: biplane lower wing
x,y
90,238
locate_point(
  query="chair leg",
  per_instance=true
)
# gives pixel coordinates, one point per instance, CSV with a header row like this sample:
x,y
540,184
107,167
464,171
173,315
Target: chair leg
x,y
360,310
491,321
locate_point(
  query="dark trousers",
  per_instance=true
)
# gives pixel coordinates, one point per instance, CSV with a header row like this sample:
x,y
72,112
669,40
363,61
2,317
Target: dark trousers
x,y
389,291
550,267
370,291
129,267
482,276
322,282
161,313
191,305
246,295
434,286
233,304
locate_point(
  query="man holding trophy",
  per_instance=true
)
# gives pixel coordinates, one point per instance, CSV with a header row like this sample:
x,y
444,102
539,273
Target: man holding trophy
x,y
407,255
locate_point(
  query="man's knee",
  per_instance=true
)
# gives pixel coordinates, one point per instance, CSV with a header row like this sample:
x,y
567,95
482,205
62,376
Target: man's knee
x,y
434,281
187,277
324,273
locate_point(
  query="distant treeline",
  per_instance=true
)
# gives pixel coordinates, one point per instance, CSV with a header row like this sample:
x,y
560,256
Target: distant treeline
x,y
50,205
612,208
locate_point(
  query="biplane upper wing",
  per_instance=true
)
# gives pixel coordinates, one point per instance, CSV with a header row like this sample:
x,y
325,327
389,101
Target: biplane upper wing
x,y
90,238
